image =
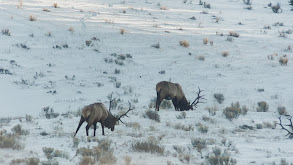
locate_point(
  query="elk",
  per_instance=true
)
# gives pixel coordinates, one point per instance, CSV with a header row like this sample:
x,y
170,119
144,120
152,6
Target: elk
x,y
173,91
97,112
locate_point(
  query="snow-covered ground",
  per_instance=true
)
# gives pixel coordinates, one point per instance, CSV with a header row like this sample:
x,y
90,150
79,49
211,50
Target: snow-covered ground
x,y
49,64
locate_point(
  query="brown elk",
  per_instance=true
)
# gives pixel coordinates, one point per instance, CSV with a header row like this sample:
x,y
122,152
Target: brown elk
x,y
97,112
173,91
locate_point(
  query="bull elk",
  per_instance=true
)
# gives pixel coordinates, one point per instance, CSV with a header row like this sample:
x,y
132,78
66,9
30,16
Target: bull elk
x,y
173,91
97,112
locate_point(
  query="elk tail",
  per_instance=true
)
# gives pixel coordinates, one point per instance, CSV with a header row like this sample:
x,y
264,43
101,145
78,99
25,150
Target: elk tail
x,y
80,123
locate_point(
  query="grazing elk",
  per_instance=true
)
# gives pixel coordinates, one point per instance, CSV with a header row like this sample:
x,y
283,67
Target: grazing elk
x,y
174,92
97,112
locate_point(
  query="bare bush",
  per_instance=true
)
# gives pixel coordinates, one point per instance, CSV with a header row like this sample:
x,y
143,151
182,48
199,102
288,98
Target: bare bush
x,y
212,110
5,32
153,115
233,34
201,58
134,125
219,97
199,144
225,53
149,146
10,141
262,106
181,116
217,157
277,8
87,160
18,130
46,10
247,2
184,43
102,153
26,161
234,111
183,127
52,153
157,45
202,128
282,110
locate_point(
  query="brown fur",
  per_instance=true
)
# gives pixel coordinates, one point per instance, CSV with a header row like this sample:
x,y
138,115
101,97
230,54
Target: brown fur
x,y
174,92
95,113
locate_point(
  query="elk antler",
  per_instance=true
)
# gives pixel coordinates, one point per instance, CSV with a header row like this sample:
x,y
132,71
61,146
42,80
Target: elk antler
x,y
289,134
196,101
125,114
110,97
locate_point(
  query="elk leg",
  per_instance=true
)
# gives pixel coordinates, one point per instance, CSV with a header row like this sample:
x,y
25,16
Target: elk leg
x,y
87,130
80,123
103,133
95,127
174,101
158,102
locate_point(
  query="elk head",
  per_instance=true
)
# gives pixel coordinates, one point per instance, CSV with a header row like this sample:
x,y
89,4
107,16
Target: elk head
x,y
111,121
197,100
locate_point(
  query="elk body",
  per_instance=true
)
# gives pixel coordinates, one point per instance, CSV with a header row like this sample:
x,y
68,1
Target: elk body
x,y
95,113
173,91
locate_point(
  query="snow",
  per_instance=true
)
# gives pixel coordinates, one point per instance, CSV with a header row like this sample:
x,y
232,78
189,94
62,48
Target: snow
x,y
75,72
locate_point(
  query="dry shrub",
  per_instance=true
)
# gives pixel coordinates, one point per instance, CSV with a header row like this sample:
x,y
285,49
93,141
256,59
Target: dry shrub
x,y
212,110
269,125
282,110
32,18
153,115
234,111
18,130
52,153
205,41
225,53
26,161
283,60
199,144
184,43
202,128
10,141
201,58
134,125
217,157
102,153
86,160
219,97
262,106
277,8
149,146
183,127
46,10
233,34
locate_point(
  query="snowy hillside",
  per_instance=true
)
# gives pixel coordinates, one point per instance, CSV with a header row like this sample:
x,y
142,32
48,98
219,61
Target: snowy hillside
x,y
62,55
